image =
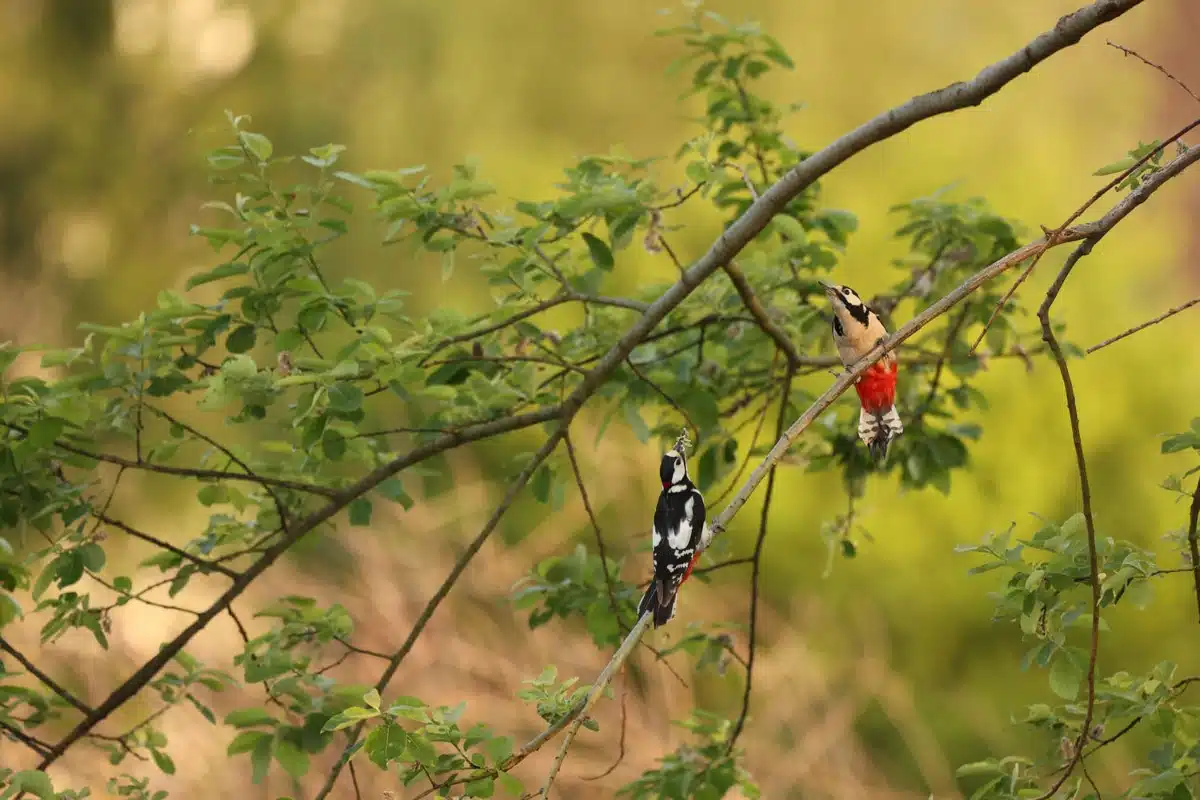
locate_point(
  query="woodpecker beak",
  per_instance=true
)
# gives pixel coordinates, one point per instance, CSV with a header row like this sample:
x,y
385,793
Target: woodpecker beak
x,y
830,288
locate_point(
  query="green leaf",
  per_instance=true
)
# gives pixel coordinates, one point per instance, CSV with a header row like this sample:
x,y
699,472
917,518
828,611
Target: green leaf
x,y
1066,674
258,145
360,511
246,741
393,490
241,339
484,787
540,485
602,257
347,718
33,781
249,717
260,759
345,397
92,556
333,444
385,744
163,761
1181,441
45,432
293,760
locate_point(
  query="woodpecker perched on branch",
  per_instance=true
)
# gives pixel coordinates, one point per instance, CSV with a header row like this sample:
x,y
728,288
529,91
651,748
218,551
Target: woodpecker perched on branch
x,y
856,331
679,534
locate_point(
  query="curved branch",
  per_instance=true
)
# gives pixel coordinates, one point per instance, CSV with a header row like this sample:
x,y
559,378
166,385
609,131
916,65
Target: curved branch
x,y
751,301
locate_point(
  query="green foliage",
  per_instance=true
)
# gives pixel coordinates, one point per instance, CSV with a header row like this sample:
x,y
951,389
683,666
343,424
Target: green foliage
x,y
427,743
1048,593
705,769
576,584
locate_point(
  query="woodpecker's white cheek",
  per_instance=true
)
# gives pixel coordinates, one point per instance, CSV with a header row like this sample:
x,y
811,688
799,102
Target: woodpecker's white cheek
x,y
680,472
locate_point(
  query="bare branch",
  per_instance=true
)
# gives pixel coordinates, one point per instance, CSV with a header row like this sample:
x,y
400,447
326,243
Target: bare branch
x,y
757,560
1056,235
143,675
587,506
750,300
1128,52
49,682
602,681
1193,547
419,626
1086,493
1165,315
189,472
203,563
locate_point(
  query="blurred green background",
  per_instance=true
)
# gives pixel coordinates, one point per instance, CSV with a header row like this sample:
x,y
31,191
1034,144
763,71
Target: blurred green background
x,y
107,107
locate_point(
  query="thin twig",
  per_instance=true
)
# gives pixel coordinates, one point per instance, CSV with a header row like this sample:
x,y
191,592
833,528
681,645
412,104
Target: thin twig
x,y
757,560
190,472
602,681
1193,547
1144,325
32,742
621,744
587,505
1086,494
768,326
427,613
46,680
1149,63
1055,236
150,668
204,564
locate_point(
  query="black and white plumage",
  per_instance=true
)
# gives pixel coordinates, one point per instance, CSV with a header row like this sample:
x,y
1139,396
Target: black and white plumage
x,y
679,535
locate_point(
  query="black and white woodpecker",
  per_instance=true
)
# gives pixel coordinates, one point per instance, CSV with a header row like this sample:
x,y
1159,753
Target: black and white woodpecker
x,y
679,534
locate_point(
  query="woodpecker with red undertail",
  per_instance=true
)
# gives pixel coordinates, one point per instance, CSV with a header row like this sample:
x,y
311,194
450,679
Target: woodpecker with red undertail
x,y
679,534
856,331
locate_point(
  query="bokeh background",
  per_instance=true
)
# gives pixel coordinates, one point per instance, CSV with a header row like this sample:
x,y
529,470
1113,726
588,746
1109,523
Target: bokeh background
x,y
875,681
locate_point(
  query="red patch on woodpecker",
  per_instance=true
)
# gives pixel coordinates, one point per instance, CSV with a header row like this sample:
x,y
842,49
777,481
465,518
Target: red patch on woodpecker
x,y
691,564
877,387
666,484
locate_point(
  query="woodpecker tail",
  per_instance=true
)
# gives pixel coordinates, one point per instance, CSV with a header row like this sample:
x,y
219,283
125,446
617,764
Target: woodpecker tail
x,y
661,600
877,430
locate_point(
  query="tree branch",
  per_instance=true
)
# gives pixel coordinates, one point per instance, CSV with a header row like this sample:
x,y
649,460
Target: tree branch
x,y
750,300
1086,494
427,613
190,472
49,682
1193,547
203,563
602,681
143,675
757,561
1165,315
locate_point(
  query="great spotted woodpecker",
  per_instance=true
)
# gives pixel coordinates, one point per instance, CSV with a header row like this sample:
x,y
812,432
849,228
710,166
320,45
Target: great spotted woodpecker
x,y
679,534
856,331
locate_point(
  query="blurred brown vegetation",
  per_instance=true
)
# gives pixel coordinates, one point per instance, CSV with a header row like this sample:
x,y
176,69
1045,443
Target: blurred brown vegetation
x,y
874,682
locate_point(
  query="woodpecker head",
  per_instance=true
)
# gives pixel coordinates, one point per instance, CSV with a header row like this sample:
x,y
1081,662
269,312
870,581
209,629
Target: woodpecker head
x,y
849,310
673,469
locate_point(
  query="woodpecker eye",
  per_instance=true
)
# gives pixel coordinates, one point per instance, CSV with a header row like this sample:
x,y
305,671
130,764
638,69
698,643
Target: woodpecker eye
x,y
845,291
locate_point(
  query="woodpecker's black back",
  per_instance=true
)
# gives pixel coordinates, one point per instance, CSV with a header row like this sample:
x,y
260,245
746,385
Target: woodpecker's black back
x,y
678,536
